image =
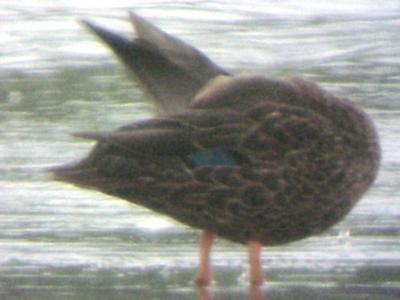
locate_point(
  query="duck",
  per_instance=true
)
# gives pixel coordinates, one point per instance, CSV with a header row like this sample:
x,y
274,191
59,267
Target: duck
x,y
249,158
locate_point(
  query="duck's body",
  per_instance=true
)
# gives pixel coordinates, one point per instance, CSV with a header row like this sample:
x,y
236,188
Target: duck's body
x,y
249,158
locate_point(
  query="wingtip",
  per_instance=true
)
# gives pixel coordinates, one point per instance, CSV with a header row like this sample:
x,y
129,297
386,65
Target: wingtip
x,y
84,22
88,25
132,15
92,27
89,135
142,27
117,42
135,20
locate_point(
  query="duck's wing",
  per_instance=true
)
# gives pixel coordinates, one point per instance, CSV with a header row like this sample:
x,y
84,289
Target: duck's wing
x,y
216,128
184,135
168,69
154,146
226,125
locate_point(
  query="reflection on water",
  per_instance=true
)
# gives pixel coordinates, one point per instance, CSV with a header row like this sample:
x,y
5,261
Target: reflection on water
x,y
59,242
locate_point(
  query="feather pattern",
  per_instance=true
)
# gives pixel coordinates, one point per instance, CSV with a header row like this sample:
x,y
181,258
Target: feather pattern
x,y
160,63
245,157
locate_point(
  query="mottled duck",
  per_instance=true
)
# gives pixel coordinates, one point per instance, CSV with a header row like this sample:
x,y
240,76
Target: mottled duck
x,y
256,160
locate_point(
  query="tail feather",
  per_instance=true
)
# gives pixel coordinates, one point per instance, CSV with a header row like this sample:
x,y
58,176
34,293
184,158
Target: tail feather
x,y
168,69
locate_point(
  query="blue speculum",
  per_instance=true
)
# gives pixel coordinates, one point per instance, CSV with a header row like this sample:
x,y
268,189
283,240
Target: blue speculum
x,y
211,158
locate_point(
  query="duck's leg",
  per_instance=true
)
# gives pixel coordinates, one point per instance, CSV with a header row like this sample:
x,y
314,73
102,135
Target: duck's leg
x,y
255,267
204,273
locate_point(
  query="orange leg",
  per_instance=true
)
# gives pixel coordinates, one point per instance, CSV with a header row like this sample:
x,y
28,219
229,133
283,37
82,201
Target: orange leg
x,y
255,267
204,273
255,293
203,293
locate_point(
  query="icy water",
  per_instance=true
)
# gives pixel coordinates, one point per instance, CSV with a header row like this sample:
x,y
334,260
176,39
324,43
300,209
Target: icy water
x,y
60,242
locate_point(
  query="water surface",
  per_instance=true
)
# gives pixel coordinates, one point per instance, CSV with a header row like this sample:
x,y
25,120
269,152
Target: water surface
x,y
60,242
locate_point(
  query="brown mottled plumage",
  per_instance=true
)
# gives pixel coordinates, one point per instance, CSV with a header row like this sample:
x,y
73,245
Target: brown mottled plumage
x,y
288,158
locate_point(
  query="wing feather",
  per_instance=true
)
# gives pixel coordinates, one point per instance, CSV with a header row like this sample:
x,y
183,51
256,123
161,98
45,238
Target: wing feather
x,y
161,64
